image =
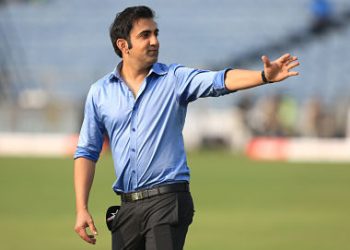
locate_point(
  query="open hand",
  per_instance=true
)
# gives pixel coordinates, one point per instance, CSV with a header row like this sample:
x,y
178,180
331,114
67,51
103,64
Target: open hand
x,y
279,69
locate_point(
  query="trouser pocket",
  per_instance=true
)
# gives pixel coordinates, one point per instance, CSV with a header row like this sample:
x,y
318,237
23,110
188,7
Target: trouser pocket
x,y
185,208
111,217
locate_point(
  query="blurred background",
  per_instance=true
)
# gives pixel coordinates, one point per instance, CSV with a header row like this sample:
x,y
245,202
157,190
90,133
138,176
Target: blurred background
x,y
52,51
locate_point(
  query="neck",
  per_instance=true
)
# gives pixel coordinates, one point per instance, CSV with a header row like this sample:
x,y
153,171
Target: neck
x,y
133,76
134,73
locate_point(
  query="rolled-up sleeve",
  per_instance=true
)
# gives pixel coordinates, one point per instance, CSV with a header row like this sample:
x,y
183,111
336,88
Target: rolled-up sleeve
x,y
194,83
92,131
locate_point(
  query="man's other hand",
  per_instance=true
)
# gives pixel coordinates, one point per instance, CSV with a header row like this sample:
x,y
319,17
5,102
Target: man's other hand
x,y
83,221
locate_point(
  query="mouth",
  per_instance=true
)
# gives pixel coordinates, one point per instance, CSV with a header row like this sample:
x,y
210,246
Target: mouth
x,y
153,52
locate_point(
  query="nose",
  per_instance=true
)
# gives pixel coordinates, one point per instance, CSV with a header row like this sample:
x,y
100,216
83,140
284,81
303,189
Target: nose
x,y
154,41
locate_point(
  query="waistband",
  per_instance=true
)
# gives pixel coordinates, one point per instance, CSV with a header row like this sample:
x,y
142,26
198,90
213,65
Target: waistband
x,y
148,193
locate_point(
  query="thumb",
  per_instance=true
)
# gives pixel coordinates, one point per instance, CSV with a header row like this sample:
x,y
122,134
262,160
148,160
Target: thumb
x,y
266,61
92,227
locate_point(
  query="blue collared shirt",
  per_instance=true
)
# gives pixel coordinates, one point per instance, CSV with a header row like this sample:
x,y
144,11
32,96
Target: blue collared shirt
x,y
145,133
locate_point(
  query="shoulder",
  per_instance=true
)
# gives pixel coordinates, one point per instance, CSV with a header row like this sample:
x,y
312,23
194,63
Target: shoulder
x,y
162,69
102,83
180,71
175,67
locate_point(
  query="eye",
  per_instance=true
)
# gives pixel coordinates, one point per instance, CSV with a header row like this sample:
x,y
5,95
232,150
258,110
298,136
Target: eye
x,y
145,35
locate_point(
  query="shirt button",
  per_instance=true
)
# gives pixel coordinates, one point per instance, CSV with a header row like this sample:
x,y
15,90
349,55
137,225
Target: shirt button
x,y
133,130
133,150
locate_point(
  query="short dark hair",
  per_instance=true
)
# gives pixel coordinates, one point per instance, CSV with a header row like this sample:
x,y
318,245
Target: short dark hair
x,y
123,22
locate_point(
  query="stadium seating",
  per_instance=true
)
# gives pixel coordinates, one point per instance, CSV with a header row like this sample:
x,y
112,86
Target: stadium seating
x,y
63,46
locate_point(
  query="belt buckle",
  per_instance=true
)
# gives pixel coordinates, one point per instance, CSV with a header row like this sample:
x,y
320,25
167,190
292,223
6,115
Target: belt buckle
x,y
137,196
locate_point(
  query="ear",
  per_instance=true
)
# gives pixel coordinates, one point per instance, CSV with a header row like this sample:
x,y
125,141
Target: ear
x,y
123,45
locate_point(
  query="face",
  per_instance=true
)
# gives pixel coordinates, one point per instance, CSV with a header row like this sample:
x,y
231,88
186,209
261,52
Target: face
x,y
144,40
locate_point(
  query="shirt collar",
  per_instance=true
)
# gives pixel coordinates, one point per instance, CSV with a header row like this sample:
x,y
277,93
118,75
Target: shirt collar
x,y
157,68
115,75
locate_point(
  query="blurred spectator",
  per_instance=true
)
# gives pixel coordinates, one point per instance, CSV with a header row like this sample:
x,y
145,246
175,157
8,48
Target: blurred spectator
x,y
309,117
287,115
245,104
263,118
326,127
280,115
322,15
317,120
348,123
340,111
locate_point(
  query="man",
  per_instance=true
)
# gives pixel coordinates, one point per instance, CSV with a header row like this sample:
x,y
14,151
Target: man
x,y
141,106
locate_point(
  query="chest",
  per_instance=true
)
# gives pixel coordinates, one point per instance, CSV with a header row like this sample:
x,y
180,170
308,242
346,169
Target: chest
x,y
119,107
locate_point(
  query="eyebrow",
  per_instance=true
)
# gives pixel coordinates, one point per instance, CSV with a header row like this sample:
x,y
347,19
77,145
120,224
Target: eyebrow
x,y
147,32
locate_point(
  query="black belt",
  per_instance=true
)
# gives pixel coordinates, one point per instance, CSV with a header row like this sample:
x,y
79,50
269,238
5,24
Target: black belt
x,y
147,193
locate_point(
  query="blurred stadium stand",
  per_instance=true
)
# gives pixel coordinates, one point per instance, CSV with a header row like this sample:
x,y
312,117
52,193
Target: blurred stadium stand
x,y
52,51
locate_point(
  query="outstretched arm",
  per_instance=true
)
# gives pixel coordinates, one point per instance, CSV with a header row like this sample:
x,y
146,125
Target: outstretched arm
x,y
84,171
275,71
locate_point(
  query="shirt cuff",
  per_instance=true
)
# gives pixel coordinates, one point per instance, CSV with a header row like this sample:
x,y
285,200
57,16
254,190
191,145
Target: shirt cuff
x,y
83,153
219,82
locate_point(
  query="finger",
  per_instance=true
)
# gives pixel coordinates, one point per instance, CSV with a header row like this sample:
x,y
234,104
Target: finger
x,y
82,233
92,227
92,238
285,58
292,59
266,61
293,73
293,65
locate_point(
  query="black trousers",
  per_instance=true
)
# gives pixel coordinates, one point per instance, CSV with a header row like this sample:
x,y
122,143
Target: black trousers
x,y
157,223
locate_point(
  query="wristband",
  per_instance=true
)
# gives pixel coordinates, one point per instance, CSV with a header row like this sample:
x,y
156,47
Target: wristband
x,y
264,78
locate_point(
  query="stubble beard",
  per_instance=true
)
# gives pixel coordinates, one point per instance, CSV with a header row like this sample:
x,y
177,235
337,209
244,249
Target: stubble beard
x,y
153,56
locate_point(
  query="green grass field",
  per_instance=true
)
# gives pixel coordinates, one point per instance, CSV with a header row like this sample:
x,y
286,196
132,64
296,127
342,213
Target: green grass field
x,y
240,204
